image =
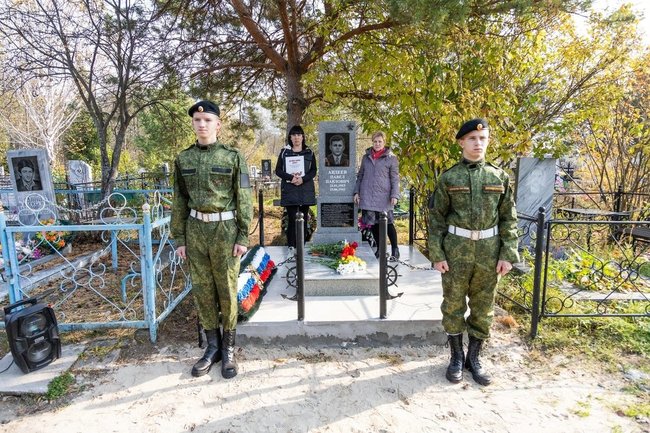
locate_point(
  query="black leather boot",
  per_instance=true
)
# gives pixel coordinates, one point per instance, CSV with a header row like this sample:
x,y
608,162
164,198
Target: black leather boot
x,y
455,369
473,363
212,353
228,364
395,253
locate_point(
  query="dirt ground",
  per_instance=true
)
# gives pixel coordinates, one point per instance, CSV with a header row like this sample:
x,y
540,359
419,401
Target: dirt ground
x,y
125,383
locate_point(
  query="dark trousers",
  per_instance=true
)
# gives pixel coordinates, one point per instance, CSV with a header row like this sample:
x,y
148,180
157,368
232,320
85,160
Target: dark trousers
x,y
392,234
291,220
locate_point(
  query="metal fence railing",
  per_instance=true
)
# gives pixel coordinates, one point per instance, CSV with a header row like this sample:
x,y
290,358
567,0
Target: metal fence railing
x,y
584,268
126,276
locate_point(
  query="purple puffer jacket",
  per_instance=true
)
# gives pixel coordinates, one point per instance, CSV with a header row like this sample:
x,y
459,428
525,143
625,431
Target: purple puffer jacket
x,y
377,181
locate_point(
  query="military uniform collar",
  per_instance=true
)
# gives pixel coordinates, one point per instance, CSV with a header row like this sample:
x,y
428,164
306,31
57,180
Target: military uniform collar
x,y
204,146
473,164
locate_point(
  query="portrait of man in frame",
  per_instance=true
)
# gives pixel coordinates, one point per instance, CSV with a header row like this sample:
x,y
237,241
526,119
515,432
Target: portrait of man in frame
x,y
27,176
337,153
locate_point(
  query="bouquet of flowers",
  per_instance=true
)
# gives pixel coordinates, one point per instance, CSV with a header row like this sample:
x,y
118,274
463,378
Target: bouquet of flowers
x,y
340,256
24,253
51,240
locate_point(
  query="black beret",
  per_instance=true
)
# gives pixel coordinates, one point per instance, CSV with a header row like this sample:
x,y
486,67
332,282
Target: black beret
x,y
472,125
204,107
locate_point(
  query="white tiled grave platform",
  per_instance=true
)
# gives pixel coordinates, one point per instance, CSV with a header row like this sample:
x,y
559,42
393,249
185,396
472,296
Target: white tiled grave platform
x,y
411,319
321,280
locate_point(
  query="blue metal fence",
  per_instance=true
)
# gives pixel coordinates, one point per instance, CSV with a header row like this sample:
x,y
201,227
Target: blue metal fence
x,y
131,279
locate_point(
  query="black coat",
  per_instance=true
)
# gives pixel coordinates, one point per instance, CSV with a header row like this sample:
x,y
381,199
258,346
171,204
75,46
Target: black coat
x,y
290,194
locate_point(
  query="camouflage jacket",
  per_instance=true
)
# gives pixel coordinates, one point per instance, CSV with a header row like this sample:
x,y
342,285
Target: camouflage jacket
x,y
473,196
214,179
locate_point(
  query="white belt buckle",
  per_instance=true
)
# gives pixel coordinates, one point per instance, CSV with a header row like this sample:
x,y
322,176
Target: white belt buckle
x,y
202,216
475,235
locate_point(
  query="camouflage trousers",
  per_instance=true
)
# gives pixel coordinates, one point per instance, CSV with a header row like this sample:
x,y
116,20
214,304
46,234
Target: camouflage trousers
x,y
214,271
472,274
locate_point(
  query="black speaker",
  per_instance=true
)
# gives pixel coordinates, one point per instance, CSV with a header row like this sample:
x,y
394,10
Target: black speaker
x,y
33,334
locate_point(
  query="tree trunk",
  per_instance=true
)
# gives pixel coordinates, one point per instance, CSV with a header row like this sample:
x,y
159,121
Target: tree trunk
x,y
296,102
109,170
105,162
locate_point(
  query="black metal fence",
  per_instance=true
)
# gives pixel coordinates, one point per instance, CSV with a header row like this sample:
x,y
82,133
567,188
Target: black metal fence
x,y
636,204
592,259
583,268
296,274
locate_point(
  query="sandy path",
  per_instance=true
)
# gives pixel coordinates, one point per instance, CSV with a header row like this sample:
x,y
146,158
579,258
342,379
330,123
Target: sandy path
x,y
349,389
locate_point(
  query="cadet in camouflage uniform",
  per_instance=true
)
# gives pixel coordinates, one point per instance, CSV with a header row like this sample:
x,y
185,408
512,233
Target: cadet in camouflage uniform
x,y
211,214
472,242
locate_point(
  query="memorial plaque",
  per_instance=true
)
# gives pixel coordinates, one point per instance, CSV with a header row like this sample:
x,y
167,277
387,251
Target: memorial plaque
x,y
535,185
164,182
337,214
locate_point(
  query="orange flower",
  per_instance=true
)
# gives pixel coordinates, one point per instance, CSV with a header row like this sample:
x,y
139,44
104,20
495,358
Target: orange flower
x,y
347,251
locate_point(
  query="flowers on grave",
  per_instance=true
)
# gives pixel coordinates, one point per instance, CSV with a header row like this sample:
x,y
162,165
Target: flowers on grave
x,y
256,270
53,240
36,253
24,253
340,256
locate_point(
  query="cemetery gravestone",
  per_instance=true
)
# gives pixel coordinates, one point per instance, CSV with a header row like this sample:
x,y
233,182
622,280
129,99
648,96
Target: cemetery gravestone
x,y
165,171
79,172
266,169
32,185
79,176
337,169
534,188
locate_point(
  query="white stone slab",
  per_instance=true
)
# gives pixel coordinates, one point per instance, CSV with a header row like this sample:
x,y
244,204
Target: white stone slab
x,y
14,381
414,317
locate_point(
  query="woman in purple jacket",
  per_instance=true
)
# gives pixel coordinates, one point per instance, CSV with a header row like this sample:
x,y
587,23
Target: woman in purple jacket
x,y
377,188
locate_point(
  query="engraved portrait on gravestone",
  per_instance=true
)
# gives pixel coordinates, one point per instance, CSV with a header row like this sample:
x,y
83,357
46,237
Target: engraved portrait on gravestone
x,y
266,169
27,174
337,153
32,186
